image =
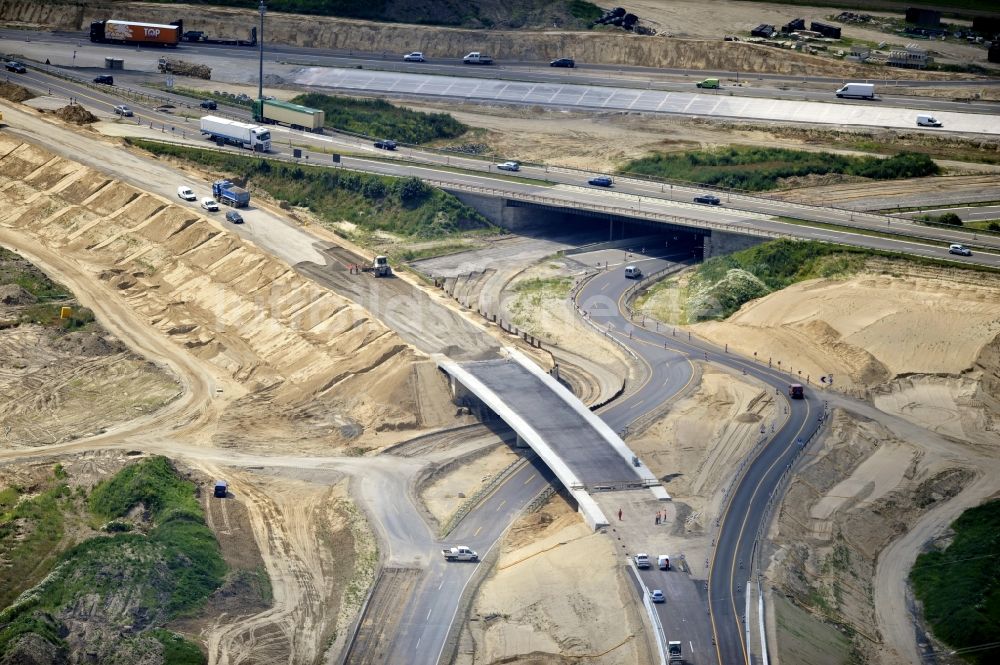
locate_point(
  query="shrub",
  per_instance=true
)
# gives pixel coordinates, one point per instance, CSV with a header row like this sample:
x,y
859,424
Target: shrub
x,y
758,169
993,226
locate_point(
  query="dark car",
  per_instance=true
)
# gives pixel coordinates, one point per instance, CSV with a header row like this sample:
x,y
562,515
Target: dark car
x,y
563,62
106,79
601,181
209,104
707,199
234,217
385,144
16,67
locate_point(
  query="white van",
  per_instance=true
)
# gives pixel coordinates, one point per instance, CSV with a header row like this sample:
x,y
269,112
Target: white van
x,y
857,91
927,121
663,562
633,272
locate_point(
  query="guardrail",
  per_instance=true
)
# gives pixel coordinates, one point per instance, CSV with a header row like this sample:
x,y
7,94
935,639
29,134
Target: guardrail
x,y
654,618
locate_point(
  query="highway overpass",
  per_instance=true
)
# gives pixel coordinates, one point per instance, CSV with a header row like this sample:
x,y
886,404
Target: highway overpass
x,y
582,451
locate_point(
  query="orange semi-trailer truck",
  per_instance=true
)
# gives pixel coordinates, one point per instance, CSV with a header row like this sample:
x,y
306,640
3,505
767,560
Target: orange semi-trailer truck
x,y
133,32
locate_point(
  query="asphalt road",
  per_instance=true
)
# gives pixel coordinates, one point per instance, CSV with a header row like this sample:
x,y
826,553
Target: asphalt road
x,y
737,213
668,360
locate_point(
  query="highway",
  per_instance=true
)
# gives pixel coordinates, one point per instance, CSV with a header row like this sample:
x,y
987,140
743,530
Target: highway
x,y
741,84
667,359
629,196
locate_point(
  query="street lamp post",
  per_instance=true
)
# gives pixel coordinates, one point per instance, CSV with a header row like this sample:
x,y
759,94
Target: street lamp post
x,y
260,80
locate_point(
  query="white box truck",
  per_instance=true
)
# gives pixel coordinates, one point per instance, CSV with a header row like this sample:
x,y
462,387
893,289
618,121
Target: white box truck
x,y
252,137
857,91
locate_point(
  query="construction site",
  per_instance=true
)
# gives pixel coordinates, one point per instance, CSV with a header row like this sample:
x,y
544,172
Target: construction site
x,y
303,361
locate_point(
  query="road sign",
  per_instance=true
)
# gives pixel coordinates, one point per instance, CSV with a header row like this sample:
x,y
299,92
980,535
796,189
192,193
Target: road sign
x,y
169,82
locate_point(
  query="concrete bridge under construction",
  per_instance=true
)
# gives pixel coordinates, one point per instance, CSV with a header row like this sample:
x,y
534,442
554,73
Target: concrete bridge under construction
x,y
581,450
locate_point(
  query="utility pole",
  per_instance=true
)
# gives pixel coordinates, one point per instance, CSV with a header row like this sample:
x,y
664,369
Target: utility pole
x,y
260,80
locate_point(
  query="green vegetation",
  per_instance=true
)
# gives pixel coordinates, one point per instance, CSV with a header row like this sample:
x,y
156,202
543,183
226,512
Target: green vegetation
x,y
16,270
759,169
164,568
177,650
30,531
721,285
48,314
948,218
380,119
585,11
402,206
960,585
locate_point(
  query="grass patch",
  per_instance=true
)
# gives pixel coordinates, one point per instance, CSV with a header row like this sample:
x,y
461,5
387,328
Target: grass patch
x,y
380,119
759,169
959,586
14,269
402,206
30,531
166,567
550,287
177,650
585,11
438,249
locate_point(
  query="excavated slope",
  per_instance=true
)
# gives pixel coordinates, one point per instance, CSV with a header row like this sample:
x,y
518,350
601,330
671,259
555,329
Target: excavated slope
x,y
315,366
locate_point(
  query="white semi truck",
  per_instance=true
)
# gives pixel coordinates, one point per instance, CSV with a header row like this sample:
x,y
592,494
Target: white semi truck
x,y
251,137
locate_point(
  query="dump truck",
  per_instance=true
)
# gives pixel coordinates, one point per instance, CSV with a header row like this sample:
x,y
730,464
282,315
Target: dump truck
x,y
272,111
227,193
134,32
251,137
674,656
477,58
796,391
182,68
460,553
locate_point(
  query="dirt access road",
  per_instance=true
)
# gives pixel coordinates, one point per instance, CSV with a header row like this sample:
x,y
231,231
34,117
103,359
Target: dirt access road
x,y
397,302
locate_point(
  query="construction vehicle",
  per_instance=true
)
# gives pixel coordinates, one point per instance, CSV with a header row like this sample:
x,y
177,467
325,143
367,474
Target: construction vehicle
x,y
133,32
460,553
182,68
379,267
229,194
674,656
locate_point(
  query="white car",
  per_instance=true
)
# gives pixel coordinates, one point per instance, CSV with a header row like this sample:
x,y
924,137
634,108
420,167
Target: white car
x,y
509,166
123,111
961,250
209,204
186,193
416,56
657,596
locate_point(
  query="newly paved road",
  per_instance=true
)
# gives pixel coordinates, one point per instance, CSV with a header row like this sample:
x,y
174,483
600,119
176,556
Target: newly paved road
x,y
668,359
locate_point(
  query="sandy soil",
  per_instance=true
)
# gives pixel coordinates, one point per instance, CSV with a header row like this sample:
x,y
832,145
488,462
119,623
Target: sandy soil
x,y
59,387
691,18
861,488
696,448
537,608
871,329
242,311
450,487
